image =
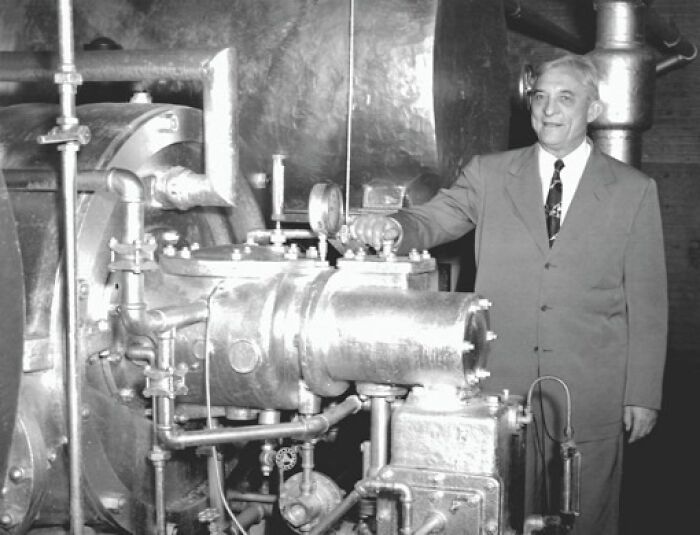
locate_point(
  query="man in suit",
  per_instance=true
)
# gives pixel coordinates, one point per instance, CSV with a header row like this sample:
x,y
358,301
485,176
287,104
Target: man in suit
x,y
569,249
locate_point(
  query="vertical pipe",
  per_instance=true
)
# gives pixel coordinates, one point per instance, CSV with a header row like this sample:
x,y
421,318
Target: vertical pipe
x,y
159,482
627,71
307,467
215,476
66,78
220,94
67,59
379,432
163,406
351,96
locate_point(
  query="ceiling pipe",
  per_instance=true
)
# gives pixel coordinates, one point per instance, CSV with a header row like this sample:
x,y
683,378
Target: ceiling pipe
x,y
667,33
216,69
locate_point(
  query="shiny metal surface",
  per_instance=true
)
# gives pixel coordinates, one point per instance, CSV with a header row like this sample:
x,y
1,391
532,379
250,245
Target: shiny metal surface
x,y
11,321
466,473
137,138
273,322
628,72
431,84
186,335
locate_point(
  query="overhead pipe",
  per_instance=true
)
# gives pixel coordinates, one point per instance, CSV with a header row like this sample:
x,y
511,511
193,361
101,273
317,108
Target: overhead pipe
x,y
681,49
216,69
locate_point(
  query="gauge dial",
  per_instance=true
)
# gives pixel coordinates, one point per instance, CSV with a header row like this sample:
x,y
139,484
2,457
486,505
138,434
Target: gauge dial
x,y
326,208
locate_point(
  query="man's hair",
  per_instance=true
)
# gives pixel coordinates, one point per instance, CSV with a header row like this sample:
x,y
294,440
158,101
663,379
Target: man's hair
x,y
582,65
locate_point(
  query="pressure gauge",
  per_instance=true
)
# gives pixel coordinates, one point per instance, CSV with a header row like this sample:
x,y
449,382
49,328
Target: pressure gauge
x,y
326,208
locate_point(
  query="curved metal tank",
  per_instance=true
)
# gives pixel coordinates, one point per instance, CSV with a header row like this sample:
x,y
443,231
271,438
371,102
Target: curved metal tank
x,y
430,82
117,432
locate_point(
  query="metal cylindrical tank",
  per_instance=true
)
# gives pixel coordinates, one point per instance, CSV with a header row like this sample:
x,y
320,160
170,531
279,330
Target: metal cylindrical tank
x,y
274,321
430,79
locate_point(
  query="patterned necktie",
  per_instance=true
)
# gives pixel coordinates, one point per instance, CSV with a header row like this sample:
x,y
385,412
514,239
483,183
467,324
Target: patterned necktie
x,y
552,208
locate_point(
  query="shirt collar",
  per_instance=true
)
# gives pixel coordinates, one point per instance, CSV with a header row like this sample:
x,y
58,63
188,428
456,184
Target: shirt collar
x,y
576,159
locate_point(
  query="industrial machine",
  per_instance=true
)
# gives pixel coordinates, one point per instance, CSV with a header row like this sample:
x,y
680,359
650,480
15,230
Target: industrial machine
x,y
214,377
175,361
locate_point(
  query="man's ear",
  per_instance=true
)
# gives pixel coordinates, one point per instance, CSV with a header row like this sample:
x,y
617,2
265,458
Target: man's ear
x,y
595,108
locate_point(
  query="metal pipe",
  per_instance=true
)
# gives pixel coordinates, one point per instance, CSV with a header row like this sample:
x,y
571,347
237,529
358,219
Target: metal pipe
x,y
73,371
434,523
163,409
251,515
158,458
668,64
47,180
221,124
250,497
67,79
309,428
307,468
336,514
627,77
374,486
217,72
131,259
109,65
215,476
379,434
670,36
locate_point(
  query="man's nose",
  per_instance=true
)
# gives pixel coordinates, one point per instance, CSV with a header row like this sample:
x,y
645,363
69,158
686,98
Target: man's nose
x,y
550,106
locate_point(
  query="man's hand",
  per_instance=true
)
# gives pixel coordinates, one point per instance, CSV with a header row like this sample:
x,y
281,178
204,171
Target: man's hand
x,y
639,421
375,229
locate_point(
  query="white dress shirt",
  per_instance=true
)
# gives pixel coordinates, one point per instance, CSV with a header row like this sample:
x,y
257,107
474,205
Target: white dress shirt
x,y
574,164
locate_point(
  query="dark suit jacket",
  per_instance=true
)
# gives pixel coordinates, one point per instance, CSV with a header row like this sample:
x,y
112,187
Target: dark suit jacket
x,y
592,310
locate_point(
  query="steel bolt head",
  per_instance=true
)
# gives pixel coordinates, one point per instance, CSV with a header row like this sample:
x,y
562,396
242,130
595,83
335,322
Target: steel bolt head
x,y
16,473
7,520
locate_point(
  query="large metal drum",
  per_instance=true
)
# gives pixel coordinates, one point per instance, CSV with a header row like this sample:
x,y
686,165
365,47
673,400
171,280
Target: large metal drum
x,y
430,82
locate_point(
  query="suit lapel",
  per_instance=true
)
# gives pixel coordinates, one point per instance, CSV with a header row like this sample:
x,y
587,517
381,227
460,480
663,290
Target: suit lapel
x,y
524,187
592,196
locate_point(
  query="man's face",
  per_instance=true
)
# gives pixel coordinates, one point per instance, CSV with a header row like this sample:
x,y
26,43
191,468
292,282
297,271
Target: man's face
x,y
561,109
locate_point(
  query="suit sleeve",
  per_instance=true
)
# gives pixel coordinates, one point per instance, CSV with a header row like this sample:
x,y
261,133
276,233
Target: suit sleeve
x,y
449,215
647,304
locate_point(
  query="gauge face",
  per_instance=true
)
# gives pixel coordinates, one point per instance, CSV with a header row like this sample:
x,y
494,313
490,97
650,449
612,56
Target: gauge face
x,y
326,208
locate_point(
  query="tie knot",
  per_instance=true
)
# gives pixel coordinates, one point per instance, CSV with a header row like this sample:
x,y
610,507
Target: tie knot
x,y
558,165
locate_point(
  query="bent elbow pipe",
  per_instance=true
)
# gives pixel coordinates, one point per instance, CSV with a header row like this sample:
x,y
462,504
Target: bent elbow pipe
x,y
171,438
215,68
